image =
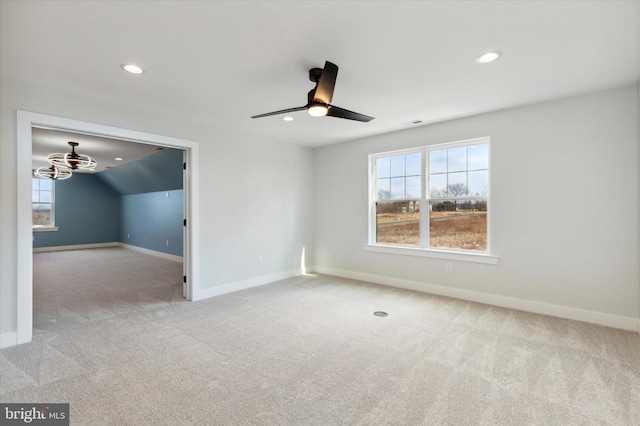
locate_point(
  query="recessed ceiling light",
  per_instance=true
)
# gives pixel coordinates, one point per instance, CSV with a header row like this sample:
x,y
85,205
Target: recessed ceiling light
x,y
118,159
287,118
133,69
485,58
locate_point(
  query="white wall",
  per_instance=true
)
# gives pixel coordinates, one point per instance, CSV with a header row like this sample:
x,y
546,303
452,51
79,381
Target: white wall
x,y
564,216
256,198
564,212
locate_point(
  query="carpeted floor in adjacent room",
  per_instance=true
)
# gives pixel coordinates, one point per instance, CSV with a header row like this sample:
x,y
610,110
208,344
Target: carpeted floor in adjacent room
x,y
114,338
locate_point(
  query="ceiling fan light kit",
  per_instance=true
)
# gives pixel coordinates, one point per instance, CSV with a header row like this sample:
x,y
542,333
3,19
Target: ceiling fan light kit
x,y
52,173
319,98
63,164
72,160
318,110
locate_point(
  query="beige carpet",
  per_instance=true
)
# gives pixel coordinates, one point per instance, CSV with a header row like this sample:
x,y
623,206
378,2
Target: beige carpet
x,y
115,339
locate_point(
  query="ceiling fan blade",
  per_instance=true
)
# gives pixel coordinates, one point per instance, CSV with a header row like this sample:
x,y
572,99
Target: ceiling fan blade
x,y
324,91
338,112
284,111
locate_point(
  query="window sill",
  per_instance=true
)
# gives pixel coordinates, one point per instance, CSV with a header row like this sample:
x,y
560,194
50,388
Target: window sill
x,y
45,229
434,254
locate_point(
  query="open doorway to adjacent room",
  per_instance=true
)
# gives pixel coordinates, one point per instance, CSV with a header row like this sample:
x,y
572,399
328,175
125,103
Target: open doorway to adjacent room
x,y
145,153
87,222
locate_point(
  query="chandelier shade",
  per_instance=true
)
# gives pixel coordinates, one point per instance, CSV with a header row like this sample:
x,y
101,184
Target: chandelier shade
x,y
53,173
72,160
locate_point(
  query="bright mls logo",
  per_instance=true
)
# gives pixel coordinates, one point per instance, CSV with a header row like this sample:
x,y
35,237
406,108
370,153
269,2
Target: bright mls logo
x,y
34,414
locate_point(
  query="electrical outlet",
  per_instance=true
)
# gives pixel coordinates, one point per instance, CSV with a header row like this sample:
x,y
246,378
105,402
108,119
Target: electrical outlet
x,y
448,267
260,260
127,235
167,242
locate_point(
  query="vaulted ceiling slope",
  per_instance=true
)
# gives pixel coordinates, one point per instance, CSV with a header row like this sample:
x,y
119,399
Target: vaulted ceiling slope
x,y
158,172
221,62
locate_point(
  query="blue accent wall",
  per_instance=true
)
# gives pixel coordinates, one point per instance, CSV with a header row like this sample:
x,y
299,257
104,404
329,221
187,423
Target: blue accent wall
x,y
86,212
127,204
150,220
157,172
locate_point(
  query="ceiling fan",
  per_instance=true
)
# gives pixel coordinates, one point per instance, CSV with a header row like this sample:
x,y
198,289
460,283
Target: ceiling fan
x,y
319,98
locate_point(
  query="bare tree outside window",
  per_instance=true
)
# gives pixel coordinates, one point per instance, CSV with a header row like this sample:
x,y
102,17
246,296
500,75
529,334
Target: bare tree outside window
x,y
456,220
455,197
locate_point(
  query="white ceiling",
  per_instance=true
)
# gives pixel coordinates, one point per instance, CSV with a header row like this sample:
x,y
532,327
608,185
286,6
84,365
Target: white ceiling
x,y
222,62
103,150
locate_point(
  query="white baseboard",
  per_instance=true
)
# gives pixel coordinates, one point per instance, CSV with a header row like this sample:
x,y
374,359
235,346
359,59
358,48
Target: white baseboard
x,y
593,317
152,252
74,247
199,294
102,245
8,339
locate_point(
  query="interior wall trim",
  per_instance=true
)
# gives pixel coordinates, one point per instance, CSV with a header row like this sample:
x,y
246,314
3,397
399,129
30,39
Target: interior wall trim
x,y
112,244
206,293
593,317
74,247
152,252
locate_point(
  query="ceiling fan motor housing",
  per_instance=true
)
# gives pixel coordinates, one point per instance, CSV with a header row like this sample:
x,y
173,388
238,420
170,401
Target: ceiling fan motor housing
x,y
315,74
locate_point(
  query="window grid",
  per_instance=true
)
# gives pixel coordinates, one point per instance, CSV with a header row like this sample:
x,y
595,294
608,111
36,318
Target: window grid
x,y
469,197
42,203
398,177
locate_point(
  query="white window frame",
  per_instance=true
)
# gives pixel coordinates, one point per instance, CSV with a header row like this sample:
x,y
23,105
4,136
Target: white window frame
x,y
53,226
423,250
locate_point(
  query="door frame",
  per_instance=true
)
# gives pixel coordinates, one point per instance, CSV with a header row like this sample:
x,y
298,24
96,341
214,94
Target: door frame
x,y
25,122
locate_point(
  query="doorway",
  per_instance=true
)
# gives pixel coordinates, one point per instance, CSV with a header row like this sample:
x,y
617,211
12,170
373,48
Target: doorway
x,y
25,122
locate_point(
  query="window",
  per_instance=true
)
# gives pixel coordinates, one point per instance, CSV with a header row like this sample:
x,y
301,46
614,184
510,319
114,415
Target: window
x,y
398,193
42,203
435,197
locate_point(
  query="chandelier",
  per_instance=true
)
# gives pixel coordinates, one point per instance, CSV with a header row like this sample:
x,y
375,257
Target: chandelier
x,y
53,173
73,160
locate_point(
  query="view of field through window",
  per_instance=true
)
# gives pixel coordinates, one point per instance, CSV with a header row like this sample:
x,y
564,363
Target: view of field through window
x,y
458,229
462,229
42,199
456,199
398,223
